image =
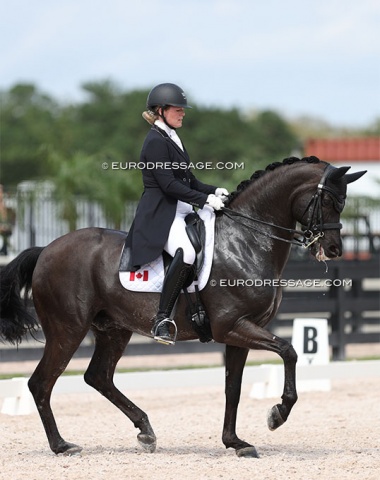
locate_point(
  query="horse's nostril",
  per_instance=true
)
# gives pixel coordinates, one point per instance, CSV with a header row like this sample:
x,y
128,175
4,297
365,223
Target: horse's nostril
x,y
334,251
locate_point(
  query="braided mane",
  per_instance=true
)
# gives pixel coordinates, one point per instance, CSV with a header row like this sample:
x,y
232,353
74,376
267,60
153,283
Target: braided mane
x,y
259,173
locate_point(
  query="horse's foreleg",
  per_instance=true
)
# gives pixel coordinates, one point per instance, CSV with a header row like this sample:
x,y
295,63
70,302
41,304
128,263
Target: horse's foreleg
x,y
249,335
109,348
279,413
235,361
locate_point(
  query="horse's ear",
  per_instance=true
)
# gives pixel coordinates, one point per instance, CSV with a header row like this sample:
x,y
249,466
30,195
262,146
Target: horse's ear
x,y
337,173
352,177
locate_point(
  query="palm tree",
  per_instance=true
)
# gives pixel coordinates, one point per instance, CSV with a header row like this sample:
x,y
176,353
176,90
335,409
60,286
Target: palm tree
x,y
84,175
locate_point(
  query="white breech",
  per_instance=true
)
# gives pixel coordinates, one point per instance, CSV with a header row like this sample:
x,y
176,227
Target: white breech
x,y
178,237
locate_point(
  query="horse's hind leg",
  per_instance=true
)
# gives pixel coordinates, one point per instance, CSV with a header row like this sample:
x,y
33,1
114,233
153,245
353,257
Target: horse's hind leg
x,y
59,349
109,347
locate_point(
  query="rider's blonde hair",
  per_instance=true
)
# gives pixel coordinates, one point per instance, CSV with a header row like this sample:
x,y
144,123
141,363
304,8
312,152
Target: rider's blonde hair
x,y
150,116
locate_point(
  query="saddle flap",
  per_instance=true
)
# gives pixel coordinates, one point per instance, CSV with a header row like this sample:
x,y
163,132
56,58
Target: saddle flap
x,y
196,232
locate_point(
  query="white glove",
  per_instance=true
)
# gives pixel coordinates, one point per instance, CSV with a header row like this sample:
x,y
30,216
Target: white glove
x,y
215,202
221,193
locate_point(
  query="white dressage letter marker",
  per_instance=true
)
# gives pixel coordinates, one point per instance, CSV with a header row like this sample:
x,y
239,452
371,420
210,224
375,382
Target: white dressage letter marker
x,y
311,342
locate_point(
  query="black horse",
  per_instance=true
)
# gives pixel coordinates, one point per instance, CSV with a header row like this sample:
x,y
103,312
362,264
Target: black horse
x,y
76,287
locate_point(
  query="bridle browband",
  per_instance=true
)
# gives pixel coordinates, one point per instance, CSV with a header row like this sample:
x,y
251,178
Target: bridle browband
x,y
311,232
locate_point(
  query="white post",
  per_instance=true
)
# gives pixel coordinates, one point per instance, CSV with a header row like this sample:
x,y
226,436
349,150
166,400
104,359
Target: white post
x,y
271,383
17,397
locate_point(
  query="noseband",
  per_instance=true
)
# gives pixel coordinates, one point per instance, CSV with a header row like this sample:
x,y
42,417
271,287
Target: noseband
x,y
315,228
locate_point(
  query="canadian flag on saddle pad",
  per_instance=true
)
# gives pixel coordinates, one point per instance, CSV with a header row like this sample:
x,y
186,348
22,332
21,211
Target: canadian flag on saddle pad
x,y
139,276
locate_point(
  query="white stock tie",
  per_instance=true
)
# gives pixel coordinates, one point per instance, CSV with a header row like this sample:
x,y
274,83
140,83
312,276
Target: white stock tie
x,y
176,139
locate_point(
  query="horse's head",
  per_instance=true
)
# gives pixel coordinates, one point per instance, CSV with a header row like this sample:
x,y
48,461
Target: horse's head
x,y
321,216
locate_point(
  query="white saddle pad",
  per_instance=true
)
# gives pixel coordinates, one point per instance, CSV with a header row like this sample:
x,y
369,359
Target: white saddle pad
x,y
150,277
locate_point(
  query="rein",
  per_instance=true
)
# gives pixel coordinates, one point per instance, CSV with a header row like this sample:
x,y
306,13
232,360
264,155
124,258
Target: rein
x,y
232,215
310,233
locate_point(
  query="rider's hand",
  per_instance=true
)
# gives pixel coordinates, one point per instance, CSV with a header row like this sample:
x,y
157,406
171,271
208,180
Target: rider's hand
x,y
215,202
221,193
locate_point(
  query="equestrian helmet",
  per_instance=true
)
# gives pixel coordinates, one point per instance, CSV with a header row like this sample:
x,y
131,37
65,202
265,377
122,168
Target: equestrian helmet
x,y
167,94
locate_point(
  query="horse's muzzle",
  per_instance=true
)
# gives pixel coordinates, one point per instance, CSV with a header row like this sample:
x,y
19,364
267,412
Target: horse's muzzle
x,y
323,253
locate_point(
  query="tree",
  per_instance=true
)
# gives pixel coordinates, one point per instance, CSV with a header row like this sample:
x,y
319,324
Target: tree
x,y
28,121
273,136
110,122
83,175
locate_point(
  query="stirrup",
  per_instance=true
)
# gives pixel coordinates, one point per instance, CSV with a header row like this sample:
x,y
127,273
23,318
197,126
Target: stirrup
x,y
165,340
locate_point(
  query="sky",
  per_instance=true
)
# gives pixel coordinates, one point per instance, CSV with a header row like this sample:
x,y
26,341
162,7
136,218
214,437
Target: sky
x,y
318,58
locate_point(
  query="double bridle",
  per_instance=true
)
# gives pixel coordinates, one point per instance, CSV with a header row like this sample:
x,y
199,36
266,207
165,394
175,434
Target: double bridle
x,y
315,228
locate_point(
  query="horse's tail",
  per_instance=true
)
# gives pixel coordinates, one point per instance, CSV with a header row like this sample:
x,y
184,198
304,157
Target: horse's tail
x,y
15,320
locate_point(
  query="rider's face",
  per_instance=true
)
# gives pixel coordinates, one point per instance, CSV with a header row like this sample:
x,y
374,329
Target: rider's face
x,y
174,116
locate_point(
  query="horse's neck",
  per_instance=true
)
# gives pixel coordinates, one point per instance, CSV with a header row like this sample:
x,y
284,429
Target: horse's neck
x,y
271,196
268,199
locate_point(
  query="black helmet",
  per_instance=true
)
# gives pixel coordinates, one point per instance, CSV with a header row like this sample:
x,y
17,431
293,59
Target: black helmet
x,y
167,94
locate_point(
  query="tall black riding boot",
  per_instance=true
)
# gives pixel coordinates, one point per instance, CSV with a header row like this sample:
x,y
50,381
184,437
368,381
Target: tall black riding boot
x,y
175,279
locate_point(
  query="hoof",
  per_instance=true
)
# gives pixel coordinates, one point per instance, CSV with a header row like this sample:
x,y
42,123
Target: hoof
x,y
148,442
247,452
274,418
69,449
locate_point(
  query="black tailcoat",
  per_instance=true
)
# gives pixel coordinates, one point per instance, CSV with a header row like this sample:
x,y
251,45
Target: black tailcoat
x,y
166,179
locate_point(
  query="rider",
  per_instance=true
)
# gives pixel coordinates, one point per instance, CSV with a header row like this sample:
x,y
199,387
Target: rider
x,y
170,193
